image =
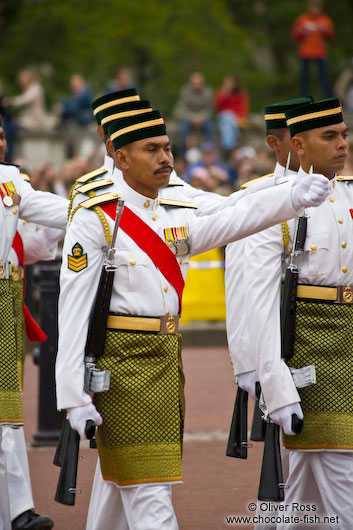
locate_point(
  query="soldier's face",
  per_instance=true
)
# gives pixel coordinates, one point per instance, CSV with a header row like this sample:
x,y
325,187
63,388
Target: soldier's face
x,y
147,164
3,144
325,148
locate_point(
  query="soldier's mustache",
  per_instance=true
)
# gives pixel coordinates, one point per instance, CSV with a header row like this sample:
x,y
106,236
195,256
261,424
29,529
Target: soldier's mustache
x,y
162,168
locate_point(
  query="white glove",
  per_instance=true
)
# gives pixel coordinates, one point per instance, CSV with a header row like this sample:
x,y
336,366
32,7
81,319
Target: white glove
x,y
283,416
247,381
79,415
311,190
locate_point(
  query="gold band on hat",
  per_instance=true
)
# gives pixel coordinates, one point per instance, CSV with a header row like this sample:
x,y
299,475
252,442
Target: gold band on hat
x,y
313,115
137,127
118,101
125,114
278,116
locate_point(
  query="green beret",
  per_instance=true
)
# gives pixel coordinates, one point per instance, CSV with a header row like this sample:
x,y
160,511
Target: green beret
x,y
275,117
116,98
314,115
124,110
134,128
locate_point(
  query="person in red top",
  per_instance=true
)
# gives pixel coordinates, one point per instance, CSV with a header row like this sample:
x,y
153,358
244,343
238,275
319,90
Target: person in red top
x,y
312,29
232,107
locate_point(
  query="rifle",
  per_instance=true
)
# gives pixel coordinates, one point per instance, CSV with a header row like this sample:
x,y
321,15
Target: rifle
x,y
271,486
237,446
95,380
66,457
99,380
258,426
289,296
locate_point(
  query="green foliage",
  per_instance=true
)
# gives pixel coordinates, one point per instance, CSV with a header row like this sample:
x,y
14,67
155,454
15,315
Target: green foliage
x,y
163,40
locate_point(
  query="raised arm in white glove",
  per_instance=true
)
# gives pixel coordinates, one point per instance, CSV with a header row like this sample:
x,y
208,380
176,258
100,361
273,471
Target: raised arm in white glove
x,y
310,190
247,381
283,416
79,415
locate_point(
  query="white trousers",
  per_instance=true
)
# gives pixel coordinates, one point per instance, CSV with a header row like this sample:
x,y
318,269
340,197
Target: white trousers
x,y
5,522
145,507
324,480
18,479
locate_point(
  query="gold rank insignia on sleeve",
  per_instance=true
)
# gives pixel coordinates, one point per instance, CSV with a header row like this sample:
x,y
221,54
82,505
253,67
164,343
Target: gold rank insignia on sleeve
x,y
78,260
177,240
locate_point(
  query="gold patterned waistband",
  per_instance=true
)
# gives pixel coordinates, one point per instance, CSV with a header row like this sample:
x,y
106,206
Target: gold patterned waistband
x,y
342,294
166,324
10,271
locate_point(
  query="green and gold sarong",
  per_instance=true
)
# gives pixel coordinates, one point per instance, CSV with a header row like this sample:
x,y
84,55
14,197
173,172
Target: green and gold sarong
x,y
140,440
11,352
324,338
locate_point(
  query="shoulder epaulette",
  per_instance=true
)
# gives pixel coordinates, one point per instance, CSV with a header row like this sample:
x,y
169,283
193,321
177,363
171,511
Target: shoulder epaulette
x,y
180,204
345,178
91,186
25,177
175,183
91,175
253,181
8,164
99,199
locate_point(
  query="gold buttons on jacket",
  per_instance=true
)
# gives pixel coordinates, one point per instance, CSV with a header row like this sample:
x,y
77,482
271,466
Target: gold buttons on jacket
x,y
340,220
181,261
344,269
165,289
314,247
343,244
14,211
154,217
132,262
147,203
331,199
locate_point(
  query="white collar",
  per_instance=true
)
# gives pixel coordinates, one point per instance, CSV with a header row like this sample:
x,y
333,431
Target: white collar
x,y
280,170
108,163
141,201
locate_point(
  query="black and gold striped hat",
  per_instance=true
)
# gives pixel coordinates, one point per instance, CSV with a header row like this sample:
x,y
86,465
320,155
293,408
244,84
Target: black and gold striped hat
x,y
128,130
116,112
116,98
275,117
314,115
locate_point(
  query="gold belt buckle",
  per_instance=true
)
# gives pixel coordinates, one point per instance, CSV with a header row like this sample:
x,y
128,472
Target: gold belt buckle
x,y
345,294
2,271
15,274
169,324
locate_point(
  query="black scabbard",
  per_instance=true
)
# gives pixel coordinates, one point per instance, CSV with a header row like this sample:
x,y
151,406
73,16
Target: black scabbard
x,y
237,446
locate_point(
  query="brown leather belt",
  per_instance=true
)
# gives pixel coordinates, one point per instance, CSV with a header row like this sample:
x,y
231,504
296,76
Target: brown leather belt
x,y
342,294
167,324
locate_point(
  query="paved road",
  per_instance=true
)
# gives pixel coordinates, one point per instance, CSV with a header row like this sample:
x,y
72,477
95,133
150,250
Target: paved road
x,y
214,487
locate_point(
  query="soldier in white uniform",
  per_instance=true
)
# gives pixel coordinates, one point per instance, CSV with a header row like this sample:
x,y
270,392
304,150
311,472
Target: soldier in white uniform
x,y
17,198
319,462
278,139
144,456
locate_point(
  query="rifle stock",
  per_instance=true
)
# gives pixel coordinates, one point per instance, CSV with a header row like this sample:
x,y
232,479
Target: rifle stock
x,y
271,479
237,446
66,457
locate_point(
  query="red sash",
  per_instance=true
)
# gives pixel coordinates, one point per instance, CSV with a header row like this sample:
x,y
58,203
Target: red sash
x,y
151,243
33,330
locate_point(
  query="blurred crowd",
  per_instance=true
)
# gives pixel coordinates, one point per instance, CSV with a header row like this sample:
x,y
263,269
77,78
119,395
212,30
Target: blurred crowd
x,y
210,129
